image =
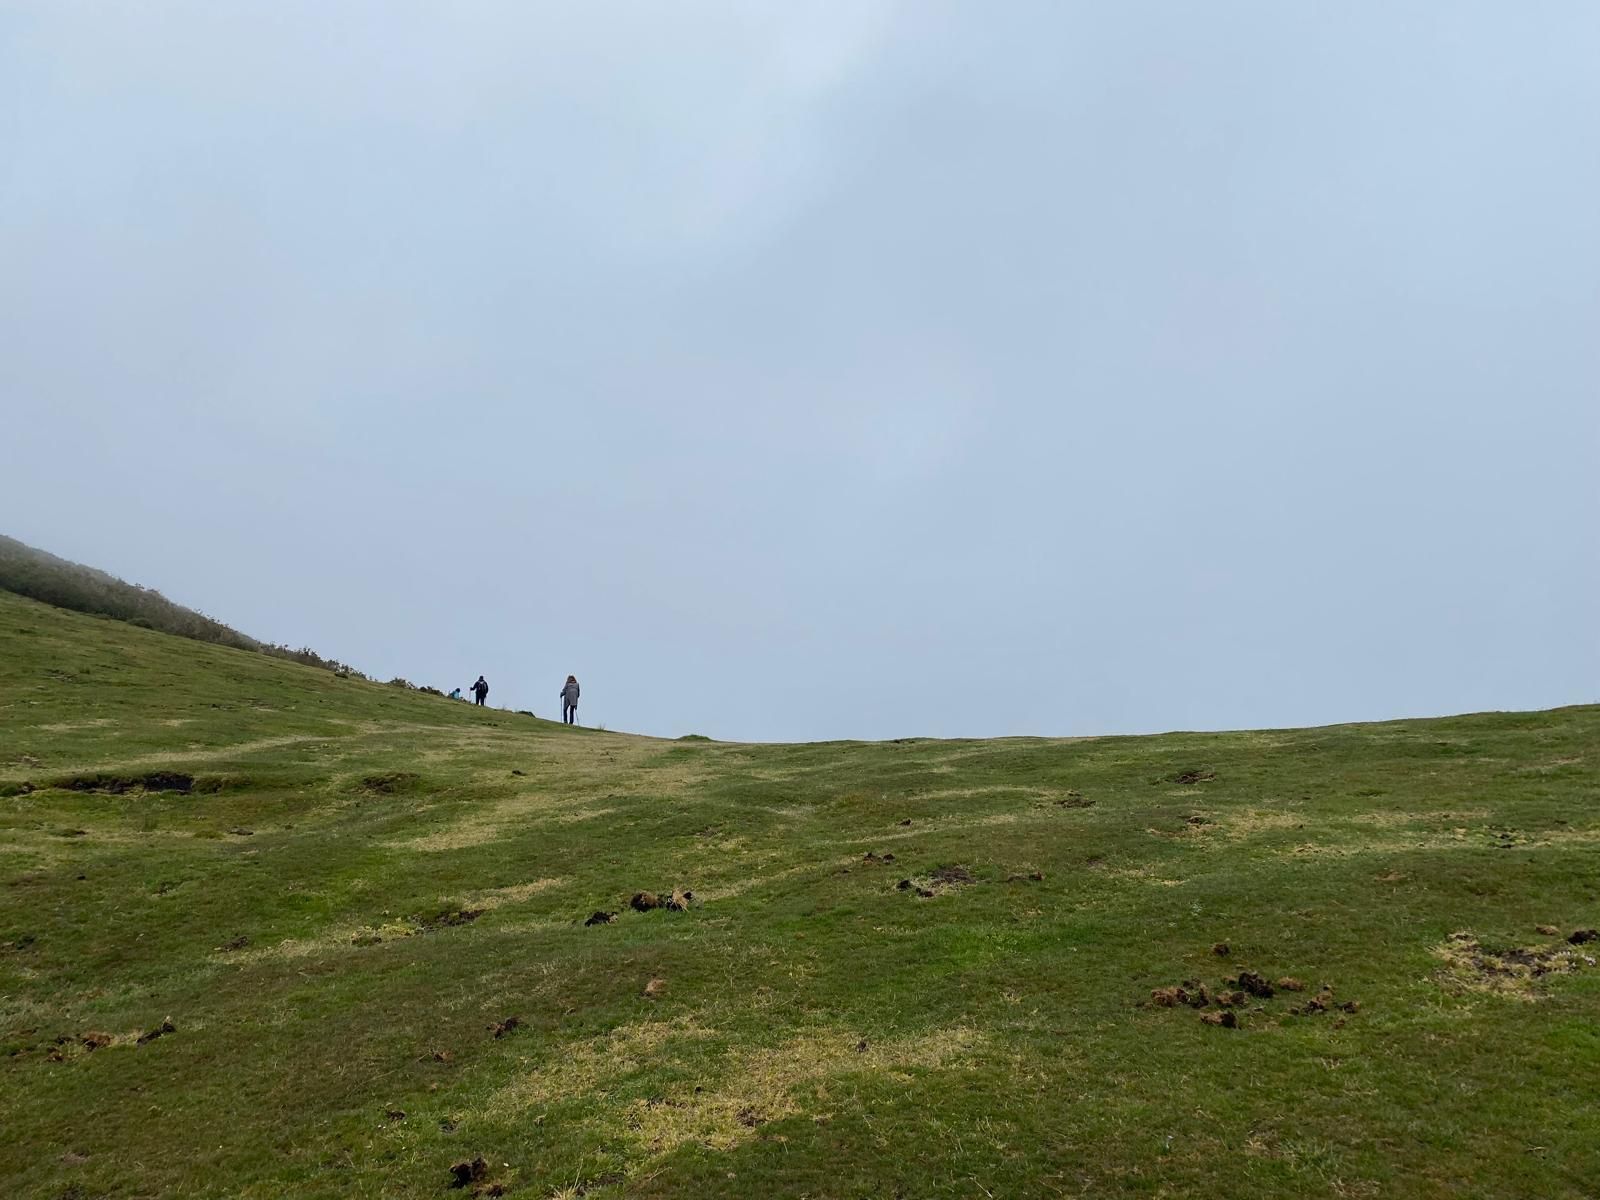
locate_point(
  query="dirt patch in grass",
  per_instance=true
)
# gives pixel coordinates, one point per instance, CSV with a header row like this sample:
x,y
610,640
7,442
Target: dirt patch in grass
x,y
446,918
117,785
1252,983
161,1030
514,893
1488,968
939,881
392,783
1190,777
1252,821
501,1028
469,1171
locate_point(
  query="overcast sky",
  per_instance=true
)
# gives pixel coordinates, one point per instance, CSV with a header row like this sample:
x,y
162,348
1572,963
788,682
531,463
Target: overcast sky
x,y
791,371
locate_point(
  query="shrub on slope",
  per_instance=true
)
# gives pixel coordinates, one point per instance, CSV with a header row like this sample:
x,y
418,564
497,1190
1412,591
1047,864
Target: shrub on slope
x,y
44,577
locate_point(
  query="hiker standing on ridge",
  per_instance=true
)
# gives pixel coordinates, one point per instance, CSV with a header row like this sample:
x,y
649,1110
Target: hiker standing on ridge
x,y
569,700
480,689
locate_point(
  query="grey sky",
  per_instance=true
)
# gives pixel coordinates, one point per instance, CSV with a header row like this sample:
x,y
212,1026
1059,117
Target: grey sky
x,y
791,371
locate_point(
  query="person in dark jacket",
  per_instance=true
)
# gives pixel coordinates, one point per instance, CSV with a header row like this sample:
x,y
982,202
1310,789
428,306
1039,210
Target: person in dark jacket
x,y
481,689
569,700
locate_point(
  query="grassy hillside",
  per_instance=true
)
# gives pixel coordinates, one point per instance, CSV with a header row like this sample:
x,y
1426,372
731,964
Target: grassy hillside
x,y
338,894
42,576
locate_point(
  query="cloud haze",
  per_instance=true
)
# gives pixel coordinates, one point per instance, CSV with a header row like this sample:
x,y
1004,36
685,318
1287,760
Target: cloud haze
x,y
827,370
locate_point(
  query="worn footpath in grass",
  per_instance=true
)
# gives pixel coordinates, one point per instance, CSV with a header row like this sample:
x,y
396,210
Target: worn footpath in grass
x,y
918,969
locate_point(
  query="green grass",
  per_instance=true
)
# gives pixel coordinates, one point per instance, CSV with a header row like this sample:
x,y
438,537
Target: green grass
x,y
346,829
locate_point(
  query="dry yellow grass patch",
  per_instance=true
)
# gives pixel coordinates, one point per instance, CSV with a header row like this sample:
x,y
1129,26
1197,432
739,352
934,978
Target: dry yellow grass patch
x,y
74,726
948,824
746,882
1253,821
514,894
192,754
343,937
784,1081
1545,768
1394,818
486,824
591,1068
1143,875
756,1086
1458,838
996,789
1510,971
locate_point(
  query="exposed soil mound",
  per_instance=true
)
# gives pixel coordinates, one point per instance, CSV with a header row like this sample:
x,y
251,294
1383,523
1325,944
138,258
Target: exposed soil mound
x,y
509,1025
445,918
600,917
1074,800
1189,778
469,1171
1252,983
391,784
1581,937
1225,1018
160,1030
875,859
678,901
117,785
955,875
